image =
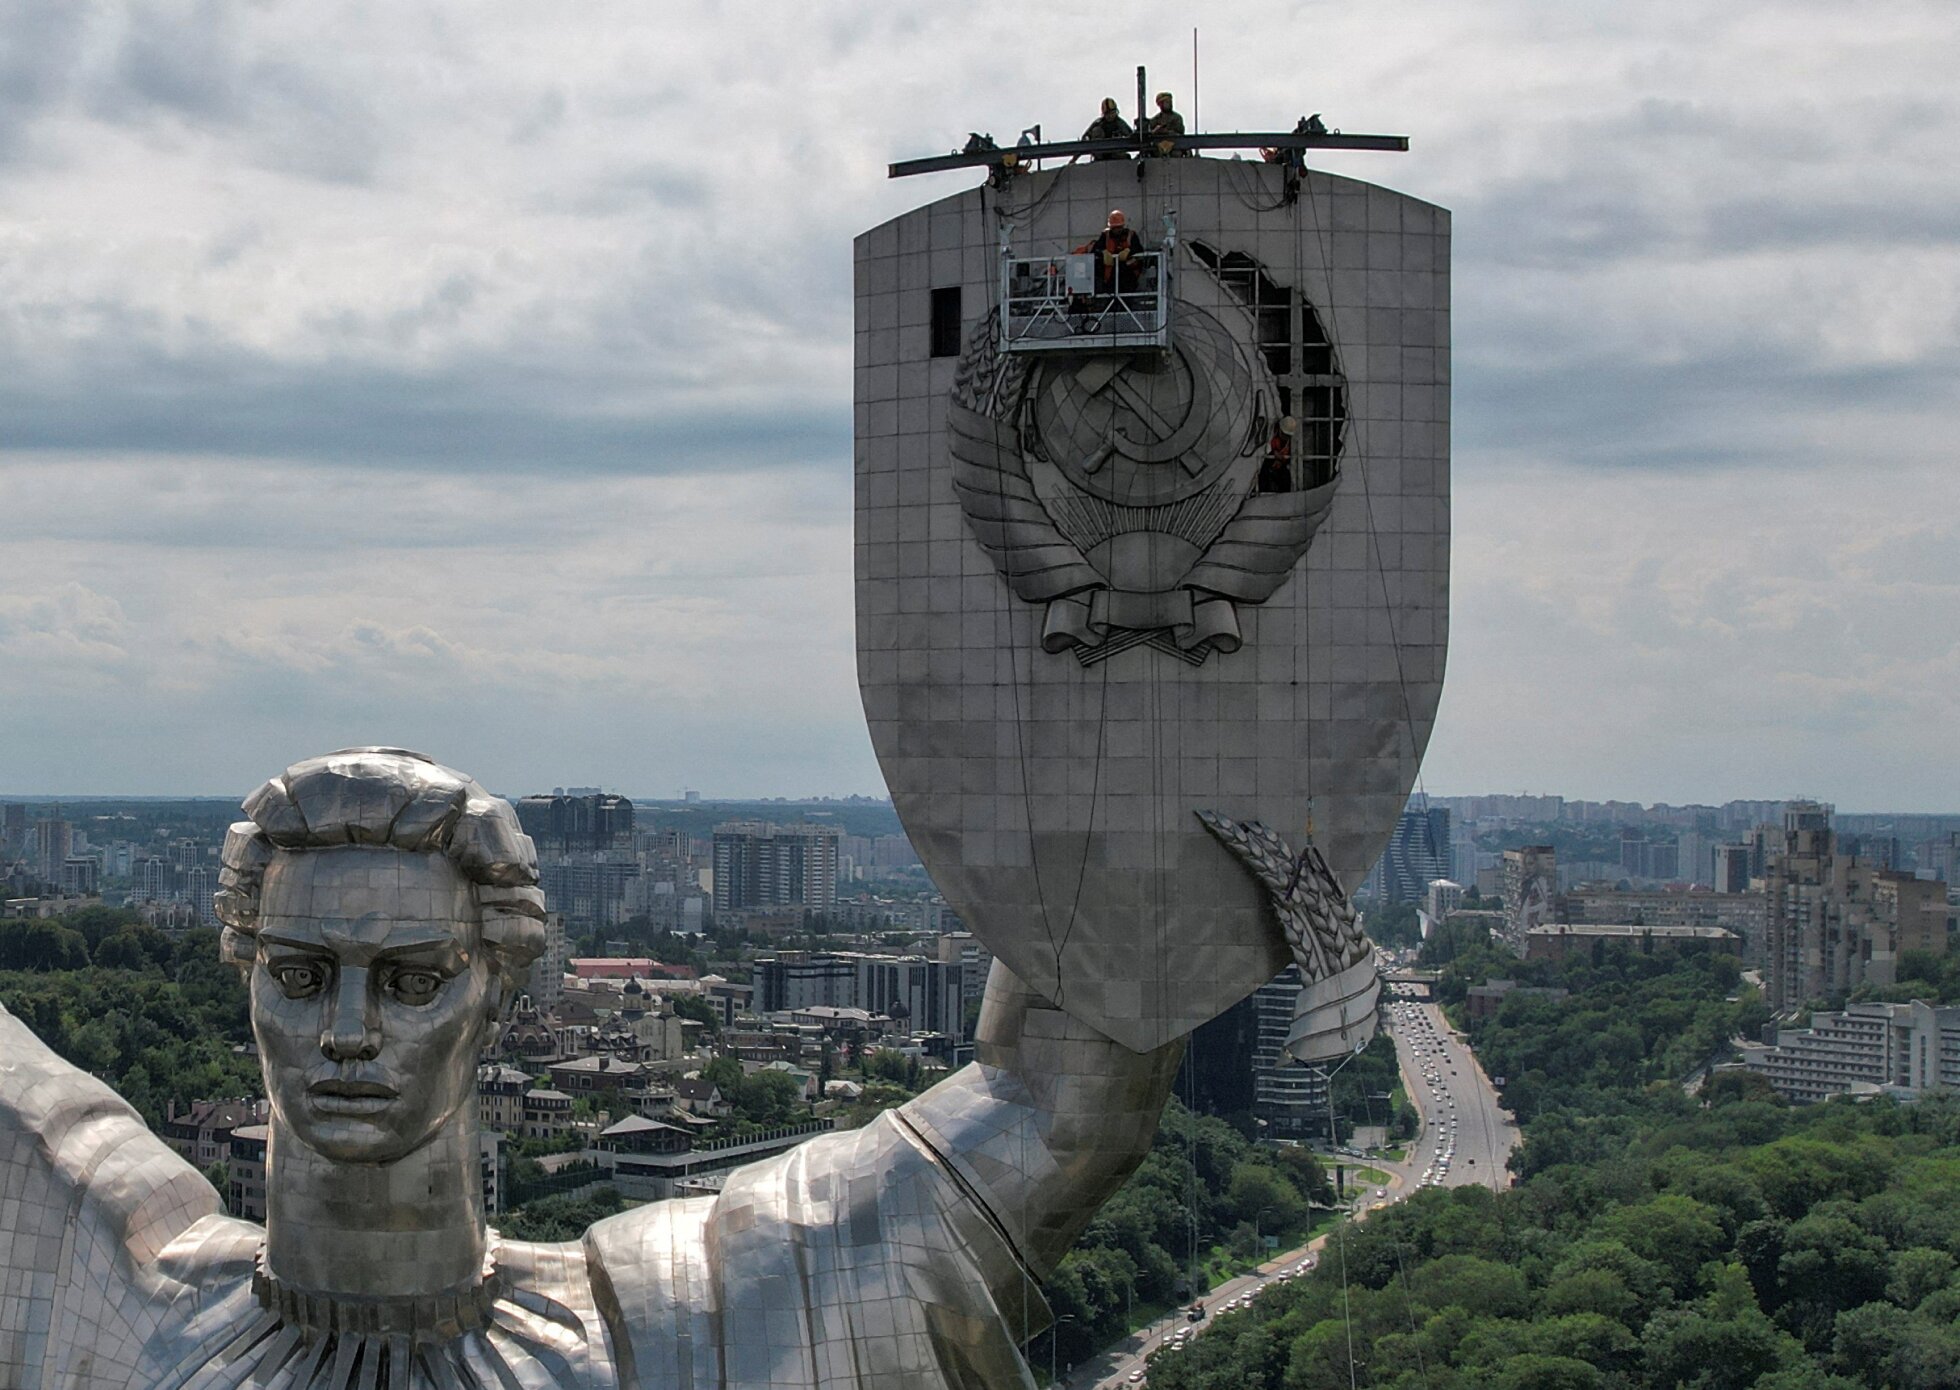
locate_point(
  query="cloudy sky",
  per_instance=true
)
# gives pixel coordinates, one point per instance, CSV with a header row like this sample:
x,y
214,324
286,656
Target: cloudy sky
x,y
476,376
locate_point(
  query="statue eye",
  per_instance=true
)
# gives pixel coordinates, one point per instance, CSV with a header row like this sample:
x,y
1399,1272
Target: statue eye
x,y
414,986
299,981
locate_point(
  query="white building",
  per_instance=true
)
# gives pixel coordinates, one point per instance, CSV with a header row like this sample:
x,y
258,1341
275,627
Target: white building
x,y
1442,897
1865,1048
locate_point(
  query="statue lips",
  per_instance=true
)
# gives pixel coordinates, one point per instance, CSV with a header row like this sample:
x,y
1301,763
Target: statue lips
x,y
344,1096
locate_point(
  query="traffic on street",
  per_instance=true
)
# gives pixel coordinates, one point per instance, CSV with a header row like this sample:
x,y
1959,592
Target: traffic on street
x,y
1464,1135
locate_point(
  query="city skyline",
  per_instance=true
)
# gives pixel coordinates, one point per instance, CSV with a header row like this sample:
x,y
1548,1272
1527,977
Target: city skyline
x,y
385,378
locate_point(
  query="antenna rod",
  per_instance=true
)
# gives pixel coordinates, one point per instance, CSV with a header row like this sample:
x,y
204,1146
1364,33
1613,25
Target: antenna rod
x,y
1194,79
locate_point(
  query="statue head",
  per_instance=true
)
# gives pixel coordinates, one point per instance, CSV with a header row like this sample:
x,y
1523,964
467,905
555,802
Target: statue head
x,y
383,909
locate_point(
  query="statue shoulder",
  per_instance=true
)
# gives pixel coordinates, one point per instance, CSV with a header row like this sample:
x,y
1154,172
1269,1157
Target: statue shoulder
x,y
76,1153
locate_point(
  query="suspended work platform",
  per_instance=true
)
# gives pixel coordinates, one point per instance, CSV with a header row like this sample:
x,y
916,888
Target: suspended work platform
x,y
1069,303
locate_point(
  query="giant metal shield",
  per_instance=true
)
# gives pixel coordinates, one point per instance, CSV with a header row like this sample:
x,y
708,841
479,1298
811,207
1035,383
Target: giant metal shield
x,y
1110,583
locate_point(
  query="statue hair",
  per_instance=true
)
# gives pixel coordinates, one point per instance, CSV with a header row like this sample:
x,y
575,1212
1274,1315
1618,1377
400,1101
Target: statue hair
x,y
388,798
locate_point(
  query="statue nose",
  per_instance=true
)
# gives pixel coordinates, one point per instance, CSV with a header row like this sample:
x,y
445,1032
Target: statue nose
x,y
350,1034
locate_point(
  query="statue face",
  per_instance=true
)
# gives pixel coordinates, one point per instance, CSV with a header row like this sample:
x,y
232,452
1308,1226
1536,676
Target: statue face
x,y
369,998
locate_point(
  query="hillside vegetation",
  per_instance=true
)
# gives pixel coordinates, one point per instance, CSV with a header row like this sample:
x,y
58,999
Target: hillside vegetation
x,y
1722,1241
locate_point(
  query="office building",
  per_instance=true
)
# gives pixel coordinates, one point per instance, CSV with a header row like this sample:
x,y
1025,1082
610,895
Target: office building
x,y
1289,1099
1418,853
922,994
763,866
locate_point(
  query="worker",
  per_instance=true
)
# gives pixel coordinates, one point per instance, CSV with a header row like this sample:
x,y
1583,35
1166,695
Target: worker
x,y
1109,126
1276,471
1116,249
1161,128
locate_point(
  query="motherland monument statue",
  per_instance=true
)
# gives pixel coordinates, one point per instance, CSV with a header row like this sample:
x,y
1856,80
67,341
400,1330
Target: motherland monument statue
x,y
1100,662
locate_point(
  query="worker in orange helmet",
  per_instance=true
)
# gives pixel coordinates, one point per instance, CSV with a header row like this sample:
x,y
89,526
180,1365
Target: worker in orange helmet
x,y
1115,249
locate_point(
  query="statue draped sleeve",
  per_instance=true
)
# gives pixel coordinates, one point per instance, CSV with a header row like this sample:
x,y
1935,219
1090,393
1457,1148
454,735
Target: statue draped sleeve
x,y
902,1256
89,1199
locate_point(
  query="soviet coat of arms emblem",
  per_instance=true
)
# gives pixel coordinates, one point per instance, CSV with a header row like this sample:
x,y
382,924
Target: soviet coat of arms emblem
x,y
1144,496
1151,620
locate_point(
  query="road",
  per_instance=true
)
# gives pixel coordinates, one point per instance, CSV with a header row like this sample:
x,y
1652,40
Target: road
x,y
1461,1115
1466,1137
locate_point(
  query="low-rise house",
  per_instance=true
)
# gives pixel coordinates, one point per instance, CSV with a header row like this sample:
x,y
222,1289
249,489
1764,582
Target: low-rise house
x,y
601,1075
547,1114
201,1132
702,1097
500,1097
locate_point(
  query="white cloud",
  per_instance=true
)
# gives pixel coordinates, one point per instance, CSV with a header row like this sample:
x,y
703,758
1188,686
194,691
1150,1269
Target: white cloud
x,y
481,371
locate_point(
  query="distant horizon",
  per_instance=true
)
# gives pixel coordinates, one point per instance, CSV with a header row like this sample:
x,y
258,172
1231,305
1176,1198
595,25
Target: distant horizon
x,y
832,798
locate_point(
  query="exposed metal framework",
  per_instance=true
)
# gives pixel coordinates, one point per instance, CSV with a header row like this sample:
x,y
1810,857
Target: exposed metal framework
x,y
991,155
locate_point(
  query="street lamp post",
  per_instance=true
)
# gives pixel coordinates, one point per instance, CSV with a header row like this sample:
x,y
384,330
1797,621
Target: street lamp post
x,y
1054,1333
1257,1239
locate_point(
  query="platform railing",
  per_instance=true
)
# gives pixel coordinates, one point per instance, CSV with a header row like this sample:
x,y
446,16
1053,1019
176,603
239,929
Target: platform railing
x,y
1071,302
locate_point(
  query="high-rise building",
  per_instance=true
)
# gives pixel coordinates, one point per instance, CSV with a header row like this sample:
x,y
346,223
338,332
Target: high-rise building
x,y
200,890
566,823
761,866
1833,921
593,889
1731,869
54,842
1530,891
545,980
1418,853
1289,1099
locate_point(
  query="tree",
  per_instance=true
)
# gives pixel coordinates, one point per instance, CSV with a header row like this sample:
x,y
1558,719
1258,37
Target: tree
x,y
1591,1338
1688,1348
770,1099
1917,1273
1677,1233
561,1218
726,1073
1260,1195
695,1007
1536,1371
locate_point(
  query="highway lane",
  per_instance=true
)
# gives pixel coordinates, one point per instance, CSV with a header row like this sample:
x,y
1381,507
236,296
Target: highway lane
x,y
1466,1136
